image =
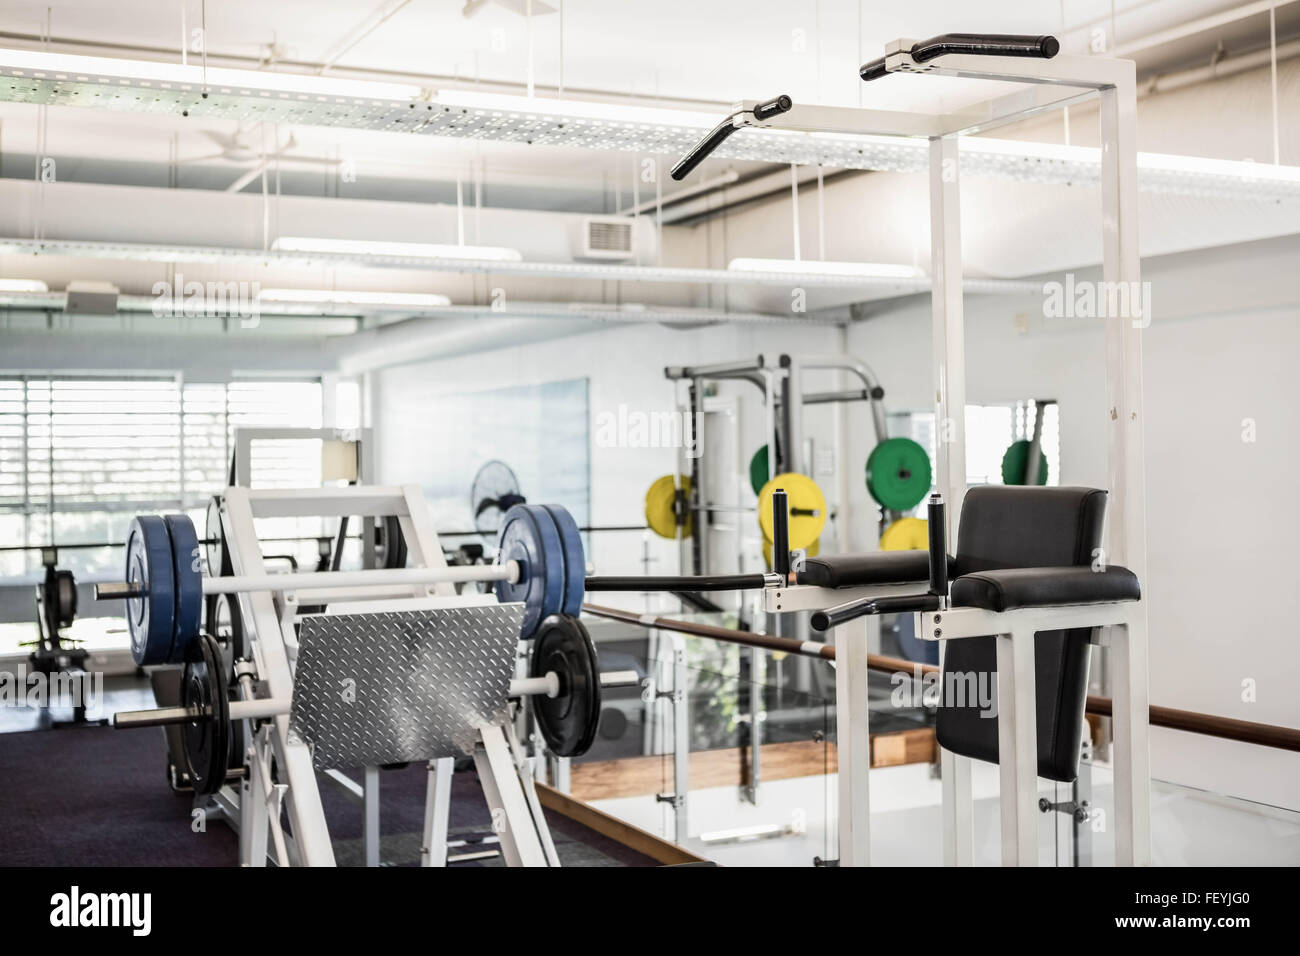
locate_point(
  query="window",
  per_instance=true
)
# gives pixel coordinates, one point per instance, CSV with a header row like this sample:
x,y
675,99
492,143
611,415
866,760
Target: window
x,y
80,456
990,429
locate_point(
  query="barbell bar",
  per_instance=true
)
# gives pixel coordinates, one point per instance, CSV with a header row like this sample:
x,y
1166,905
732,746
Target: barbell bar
x,y
302,580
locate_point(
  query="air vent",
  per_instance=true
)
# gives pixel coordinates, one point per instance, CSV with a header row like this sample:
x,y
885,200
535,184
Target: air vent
x,y
607,238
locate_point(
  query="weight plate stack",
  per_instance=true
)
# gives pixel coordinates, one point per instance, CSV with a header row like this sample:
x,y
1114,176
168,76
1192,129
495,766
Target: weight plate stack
x,y
906,534
758,470
535,545
569,721
1014,460
898,474
150,617
660,505
206,739
807,509
575,559
188,578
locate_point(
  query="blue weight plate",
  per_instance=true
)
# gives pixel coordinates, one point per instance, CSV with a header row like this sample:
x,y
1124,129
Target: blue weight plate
x,y
553,545
575,559
536,546
149,568
187,568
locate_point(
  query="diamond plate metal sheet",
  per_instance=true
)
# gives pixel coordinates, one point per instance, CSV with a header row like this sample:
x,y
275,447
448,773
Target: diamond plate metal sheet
x,y
405,685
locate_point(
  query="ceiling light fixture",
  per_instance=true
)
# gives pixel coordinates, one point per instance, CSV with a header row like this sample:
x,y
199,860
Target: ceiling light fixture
x,y
822,267
399,250
414,300
23,285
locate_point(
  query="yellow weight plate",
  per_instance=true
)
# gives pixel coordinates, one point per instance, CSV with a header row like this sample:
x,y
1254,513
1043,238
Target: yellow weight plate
x,y
812,550
906,534
659,500
807,508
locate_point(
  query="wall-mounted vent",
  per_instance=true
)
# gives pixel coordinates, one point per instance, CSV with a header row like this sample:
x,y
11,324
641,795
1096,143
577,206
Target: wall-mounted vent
x,y
607,237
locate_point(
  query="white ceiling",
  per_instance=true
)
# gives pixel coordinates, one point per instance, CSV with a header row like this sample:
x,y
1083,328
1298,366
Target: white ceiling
x,y
714,51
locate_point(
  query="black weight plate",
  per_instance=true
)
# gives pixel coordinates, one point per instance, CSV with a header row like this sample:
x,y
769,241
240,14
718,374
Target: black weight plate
x,y
392,544
218,556
206,739
569,721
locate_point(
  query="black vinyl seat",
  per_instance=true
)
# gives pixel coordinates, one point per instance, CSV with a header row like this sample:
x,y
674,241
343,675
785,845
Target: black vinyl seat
x,y
1028,547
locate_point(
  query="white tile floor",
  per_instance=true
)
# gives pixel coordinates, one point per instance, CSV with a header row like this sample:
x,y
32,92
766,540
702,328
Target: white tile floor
x,y
1188,827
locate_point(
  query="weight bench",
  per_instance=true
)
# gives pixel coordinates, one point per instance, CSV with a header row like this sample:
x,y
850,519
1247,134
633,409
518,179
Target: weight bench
x,y
1029,594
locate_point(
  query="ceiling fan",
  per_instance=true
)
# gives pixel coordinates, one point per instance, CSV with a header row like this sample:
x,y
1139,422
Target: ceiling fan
x,y
236,148
514,6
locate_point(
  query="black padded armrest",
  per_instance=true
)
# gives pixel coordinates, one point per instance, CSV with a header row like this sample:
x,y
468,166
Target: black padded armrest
x,y
872,567
1044,587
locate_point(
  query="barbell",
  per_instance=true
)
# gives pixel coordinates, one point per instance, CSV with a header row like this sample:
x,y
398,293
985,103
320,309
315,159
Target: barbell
x,y
564,683
539,549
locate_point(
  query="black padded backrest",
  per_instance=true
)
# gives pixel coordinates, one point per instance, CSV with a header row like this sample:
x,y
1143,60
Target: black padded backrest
x,y
1024,527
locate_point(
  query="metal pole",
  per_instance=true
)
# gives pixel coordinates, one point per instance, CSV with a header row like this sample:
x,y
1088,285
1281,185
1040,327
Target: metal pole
x,y
949,350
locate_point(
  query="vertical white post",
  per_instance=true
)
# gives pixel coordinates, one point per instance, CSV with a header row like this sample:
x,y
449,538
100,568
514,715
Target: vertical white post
x,y
853,743
1017,748
948,345
1126,537
370,807
437,811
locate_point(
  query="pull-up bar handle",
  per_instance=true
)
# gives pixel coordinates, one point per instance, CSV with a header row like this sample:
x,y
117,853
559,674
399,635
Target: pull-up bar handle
x,y
717,136
979,44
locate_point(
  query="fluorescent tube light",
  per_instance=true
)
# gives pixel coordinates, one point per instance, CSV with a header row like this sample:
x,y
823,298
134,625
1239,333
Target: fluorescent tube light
x,y
65,66
410,250
23,285
415,300
578,109
821,267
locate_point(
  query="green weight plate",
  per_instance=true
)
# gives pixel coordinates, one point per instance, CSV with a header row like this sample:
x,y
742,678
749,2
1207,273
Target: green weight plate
x,y
898,474
188,578
758,470
568,721
1013,464
149,569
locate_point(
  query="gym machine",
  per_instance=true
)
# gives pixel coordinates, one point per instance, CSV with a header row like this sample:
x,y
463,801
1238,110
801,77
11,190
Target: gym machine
x,y
55,653
1047,81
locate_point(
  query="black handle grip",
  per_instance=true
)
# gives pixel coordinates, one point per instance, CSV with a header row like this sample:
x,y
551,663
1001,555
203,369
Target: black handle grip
x,y
843,613
938,547
780,532
701,150
702,582
979,44
718,135
773,107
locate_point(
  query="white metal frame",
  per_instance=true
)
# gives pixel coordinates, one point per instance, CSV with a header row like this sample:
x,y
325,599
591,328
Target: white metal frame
x,y
269,616
1045,84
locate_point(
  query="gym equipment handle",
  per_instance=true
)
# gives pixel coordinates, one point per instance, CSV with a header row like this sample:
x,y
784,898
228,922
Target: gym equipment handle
x,y
980,44
698,582
780,532
843,613
938,546
718,135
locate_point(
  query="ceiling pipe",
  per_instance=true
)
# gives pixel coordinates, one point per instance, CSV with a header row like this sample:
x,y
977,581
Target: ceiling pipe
x,y
422,339
1228,66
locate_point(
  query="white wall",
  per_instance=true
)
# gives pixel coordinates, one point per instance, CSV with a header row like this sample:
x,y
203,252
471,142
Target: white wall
x,y
1222,512
624,366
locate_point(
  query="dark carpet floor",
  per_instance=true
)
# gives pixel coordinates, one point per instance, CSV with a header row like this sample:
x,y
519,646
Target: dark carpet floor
x,y
95,796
